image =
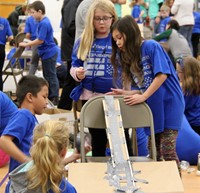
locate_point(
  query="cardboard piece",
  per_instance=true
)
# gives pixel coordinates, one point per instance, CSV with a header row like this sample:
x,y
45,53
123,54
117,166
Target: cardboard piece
x,y
60,114
163,177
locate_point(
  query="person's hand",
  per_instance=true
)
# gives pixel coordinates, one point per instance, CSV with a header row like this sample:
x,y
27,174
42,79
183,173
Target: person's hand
x,y
80,73
115,91
23,44
134,99
88,148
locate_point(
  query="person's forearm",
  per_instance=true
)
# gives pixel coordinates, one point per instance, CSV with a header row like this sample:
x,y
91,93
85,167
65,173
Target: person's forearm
x,y
10,38
11,149
157,82
71,158
28,35
131,92
35,42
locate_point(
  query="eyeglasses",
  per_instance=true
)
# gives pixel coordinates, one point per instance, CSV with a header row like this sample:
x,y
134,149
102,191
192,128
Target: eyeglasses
x,y
104,19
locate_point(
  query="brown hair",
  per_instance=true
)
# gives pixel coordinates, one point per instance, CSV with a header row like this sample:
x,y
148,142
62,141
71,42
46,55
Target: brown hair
x,y
130,58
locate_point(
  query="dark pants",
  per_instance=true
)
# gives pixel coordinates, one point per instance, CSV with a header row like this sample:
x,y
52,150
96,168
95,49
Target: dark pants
x,y
2,58
196,129
195,42
99,142
69,84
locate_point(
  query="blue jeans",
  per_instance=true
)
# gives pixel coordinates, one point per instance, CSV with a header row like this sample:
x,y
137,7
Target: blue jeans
x,y
49,72
186,31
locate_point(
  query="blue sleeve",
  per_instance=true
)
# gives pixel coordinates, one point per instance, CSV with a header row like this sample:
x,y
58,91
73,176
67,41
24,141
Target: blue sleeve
x,y
17,125
75,61
9,31
58,60
159,58
27,28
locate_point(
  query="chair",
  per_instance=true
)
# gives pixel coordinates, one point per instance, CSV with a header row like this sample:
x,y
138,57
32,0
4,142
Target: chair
x,y
76,107
136,116
13,68
19,38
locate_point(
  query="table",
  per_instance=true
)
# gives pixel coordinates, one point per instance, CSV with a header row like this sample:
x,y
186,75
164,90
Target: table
x,y
163,177
191,182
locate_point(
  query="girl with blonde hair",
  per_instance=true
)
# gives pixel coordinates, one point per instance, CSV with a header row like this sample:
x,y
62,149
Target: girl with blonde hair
x,y
46,172
188,70
91,63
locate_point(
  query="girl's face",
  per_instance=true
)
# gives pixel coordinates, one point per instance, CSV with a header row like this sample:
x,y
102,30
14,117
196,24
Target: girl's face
x,y
179,72
119,39
102,23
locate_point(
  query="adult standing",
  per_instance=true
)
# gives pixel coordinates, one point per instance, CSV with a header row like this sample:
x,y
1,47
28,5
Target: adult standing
x,y
153,7
13,18
67,41
183,13
80,17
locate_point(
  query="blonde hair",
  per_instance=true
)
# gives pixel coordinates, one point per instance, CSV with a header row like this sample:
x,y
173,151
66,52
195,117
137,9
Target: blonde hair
x,y
20,28
87,37
49,139
164,7
191,76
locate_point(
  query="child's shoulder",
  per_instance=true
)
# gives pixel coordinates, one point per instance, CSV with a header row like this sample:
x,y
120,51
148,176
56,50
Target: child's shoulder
x,y
24,113
150,42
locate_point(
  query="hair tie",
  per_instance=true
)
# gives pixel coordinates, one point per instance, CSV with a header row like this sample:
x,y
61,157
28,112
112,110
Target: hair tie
x,y
47,135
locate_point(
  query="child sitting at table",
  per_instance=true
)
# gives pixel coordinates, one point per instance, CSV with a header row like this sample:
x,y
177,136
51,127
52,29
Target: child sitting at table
x,y
13,50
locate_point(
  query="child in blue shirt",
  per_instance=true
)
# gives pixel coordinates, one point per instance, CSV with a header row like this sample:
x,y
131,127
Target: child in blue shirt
x,y
16,138
164,19
136,12
148,66
46,48
31,26
5,35
7,108
188,70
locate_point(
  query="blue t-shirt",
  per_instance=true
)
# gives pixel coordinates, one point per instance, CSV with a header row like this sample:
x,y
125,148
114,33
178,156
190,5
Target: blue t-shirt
x,y
10,55
99,74
31,27
162,24
65,187
196,27
187,143
5,30
192,109
136,13
7,108
167,103
21,127
48,48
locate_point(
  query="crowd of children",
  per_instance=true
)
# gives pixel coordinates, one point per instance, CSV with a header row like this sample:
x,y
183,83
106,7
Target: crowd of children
x,y
110,57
